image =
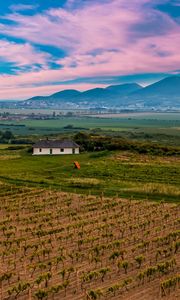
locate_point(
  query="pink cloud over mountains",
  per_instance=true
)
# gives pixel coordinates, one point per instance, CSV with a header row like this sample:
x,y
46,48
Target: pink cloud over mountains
x,y
99,38
21,54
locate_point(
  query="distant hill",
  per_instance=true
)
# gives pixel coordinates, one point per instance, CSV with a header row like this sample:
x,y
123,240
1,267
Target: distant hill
x,y
169,86
111,94
164,93
102,95
124,89
66,95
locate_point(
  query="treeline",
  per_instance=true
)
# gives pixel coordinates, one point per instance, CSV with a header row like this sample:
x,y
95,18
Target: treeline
x,y
7,137
89,142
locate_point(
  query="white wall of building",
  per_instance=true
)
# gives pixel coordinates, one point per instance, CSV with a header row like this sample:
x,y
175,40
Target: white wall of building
x,y
55,151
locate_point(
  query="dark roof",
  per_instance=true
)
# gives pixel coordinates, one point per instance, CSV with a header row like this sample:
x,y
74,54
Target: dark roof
x,y
55,144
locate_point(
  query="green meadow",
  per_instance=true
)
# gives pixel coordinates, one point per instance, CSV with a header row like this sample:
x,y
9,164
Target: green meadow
x,y
155,127
123,173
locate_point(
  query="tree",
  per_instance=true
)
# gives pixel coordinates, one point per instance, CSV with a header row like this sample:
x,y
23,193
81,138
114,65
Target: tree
x,y
7,135
69,114
83,140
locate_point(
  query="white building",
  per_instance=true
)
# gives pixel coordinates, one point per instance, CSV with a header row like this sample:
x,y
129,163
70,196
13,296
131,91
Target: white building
x,y
50,147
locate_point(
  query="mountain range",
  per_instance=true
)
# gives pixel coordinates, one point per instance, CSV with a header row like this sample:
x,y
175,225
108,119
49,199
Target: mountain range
x,y
164,93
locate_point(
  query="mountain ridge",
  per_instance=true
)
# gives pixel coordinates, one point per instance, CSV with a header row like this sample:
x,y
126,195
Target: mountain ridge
x,y
165,92
74,93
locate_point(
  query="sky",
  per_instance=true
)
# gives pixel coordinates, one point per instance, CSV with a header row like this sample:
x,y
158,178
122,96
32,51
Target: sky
x,y
50,45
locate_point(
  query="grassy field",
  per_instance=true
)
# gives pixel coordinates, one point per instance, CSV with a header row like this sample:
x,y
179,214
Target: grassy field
x,y
119,173
164,128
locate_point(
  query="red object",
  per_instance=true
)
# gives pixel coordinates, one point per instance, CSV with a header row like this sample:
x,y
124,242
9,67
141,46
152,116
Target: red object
x,y
77,165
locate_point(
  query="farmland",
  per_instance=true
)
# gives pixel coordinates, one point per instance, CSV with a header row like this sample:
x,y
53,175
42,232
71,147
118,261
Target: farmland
x,y
64,246
156,127
107,231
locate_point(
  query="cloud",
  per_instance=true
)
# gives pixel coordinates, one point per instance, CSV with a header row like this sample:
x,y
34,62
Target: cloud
x,y
107,25
22,55
22,7
99,38
21,93
84,29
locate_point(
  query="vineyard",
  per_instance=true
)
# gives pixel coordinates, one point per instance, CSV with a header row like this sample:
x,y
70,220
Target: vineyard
x,y
58,245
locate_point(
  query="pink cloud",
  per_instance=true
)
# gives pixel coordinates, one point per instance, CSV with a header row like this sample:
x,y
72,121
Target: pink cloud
x,y
79,29
19,93
22,54
117,37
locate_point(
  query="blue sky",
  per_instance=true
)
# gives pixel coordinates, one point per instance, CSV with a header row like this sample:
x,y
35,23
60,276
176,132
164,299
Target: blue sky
x,y
50,45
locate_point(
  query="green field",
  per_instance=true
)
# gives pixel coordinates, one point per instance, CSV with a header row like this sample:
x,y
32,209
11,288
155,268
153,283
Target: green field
x,y
127,174
119,173
164,128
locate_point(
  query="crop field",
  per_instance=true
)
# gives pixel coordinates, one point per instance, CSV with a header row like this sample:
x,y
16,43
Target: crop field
x,y
153,126
107,231
58,245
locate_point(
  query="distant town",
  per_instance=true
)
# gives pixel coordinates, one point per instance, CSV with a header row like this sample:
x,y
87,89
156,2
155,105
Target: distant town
x,y
162,96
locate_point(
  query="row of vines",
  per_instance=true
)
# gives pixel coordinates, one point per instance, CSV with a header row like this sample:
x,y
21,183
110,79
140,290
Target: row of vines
x,y
62,246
